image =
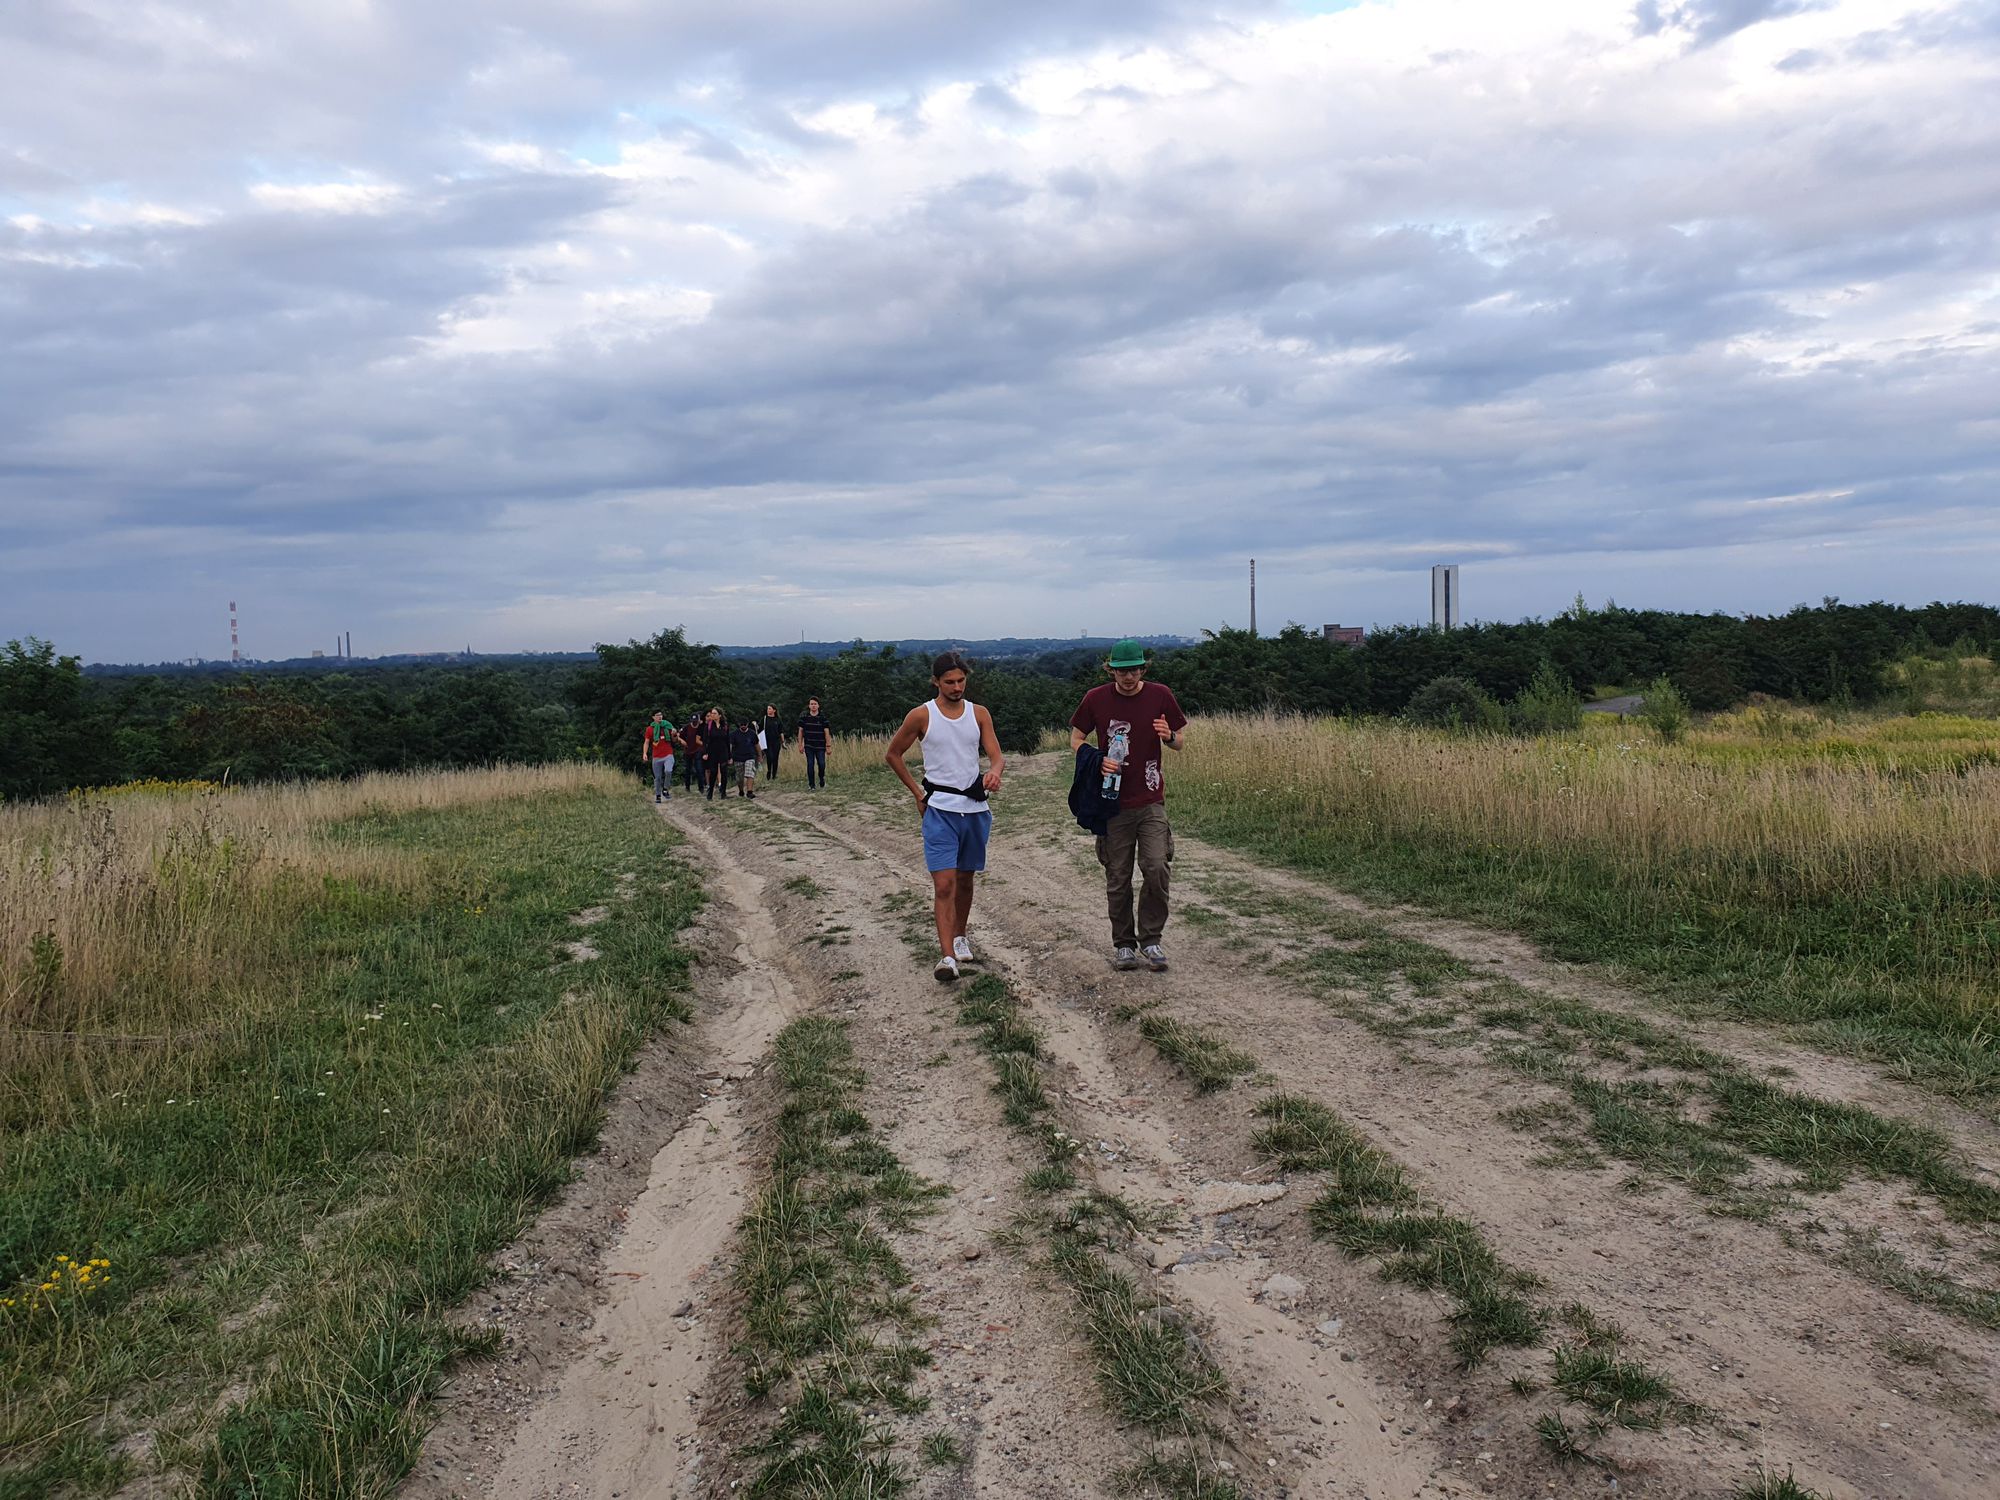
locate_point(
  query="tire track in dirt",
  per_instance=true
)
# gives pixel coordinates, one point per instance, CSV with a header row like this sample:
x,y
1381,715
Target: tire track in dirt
x,y
613,1392
1786,1348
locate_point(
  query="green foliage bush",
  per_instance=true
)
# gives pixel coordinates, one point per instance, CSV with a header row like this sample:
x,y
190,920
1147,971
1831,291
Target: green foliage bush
x,y
1547,705
1666,711
1454,703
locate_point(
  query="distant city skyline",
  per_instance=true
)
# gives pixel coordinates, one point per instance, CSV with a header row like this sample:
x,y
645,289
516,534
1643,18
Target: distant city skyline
x,y
553,324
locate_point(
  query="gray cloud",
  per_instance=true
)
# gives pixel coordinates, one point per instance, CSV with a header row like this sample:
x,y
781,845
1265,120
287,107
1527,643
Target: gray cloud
x,y
438,391
1709,21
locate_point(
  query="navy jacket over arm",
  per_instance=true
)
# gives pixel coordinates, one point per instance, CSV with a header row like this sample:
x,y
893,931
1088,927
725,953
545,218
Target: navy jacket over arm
x,y
1092,809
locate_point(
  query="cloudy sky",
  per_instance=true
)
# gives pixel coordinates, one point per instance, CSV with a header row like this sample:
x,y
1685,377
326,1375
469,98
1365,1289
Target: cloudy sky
x,y
534,323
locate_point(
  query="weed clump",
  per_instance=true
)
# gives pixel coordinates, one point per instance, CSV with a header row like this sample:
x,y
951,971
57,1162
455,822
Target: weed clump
x,y
1206,1059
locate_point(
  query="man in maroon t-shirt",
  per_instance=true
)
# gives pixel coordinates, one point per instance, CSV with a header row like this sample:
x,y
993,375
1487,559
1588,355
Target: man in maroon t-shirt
x,y
1131,718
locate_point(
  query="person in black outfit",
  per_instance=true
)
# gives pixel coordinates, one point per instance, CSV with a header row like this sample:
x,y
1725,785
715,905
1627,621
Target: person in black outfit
x,y
688,748
743,751
774,740
714,754
813,732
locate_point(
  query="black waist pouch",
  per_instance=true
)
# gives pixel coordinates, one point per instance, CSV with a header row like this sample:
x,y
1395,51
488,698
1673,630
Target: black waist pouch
x,y
974,793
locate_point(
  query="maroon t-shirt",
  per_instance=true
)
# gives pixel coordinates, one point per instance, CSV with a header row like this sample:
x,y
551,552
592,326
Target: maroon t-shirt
x,y
1104,710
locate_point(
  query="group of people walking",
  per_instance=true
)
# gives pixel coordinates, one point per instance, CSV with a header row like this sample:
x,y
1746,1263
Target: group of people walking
x,y
715,751
1117,791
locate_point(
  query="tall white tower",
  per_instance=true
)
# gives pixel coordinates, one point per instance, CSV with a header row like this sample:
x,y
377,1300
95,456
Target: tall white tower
x,y
235,648
1444,596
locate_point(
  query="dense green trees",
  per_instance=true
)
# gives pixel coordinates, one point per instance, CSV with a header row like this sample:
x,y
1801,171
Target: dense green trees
x,y
61,728
45,735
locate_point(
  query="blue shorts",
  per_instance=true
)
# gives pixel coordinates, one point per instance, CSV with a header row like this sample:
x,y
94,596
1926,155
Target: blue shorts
x,y
955,840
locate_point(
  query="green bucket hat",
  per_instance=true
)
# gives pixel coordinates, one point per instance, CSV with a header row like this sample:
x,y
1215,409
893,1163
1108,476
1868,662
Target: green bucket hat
x,y
1128,653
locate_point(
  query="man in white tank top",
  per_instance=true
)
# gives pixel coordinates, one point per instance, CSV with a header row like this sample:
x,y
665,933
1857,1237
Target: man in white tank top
x,y
951,801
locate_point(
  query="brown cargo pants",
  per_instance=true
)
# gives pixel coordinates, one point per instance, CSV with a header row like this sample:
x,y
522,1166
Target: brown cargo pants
x,y
1140,831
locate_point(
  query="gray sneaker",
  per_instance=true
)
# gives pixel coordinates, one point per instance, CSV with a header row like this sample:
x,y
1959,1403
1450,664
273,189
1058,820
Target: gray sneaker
x,y
1155,956
946,970
1124,958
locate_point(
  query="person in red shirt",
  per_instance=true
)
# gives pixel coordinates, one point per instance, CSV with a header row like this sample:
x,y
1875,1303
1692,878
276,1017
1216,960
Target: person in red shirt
x,y
1132,720
657,749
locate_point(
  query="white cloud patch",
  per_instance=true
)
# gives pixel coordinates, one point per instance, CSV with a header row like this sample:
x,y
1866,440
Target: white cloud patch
x,y
326,197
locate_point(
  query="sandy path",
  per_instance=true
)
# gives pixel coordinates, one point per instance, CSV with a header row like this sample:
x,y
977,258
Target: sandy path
x,y
607,1321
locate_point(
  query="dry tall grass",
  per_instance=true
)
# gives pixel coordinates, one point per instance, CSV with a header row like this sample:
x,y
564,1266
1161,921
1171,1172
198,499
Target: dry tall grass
x,y
859,754
1878,838
143,914
1809,822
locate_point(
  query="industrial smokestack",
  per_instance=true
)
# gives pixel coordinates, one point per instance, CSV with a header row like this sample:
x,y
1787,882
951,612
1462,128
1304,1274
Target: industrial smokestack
x,y
1253,596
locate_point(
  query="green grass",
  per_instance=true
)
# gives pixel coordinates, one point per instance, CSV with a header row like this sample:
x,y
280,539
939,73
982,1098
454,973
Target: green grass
x,y
302,1202
829,1336
1765,1485
1559,1440
941,1450
1621,1390
1208,1061
1179,1477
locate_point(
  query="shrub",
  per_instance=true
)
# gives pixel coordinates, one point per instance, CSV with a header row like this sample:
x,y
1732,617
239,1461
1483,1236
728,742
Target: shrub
x,y
1547,705
1454,703
1666,711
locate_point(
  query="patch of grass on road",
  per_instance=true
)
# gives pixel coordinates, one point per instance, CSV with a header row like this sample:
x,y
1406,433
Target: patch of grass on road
x,y
1370,1208
831,1335
1209,1062
1766,1485
307,1165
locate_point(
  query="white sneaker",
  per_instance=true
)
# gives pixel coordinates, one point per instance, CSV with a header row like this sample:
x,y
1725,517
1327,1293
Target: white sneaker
x,y
946,970
1154,955
961,950
1124,958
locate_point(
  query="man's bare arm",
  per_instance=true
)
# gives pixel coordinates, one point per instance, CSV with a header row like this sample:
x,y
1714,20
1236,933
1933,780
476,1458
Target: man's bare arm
x,y
1076,739
996,762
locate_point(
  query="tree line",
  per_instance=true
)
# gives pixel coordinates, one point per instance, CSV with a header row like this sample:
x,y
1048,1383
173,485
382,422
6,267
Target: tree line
x,y
61,729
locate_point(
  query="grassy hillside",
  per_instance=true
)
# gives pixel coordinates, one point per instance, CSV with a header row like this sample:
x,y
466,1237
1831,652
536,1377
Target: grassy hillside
x,y
282,1067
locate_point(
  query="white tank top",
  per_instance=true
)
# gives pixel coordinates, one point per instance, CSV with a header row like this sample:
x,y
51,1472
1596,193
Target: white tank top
x,y
951,757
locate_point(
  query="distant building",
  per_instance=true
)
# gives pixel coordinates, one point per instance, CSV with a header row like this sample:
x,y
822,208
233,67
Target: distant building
x,y
1343,635
1444,596
317,655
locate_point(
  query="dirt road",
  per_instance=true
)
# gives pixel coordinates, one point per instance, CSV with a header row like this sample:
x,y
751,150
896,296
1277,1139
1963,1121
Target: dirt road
x,y
1776,1315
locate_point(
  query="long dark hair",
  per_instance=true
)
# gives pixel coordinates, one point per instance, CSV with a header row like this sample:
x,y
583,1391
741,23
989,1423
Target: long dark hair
x,y
949,661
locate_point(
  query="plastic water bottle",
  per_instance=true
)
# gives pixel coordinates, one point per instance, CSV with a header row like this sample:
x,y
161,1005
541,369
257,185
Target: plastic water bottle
x,y
1113,780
